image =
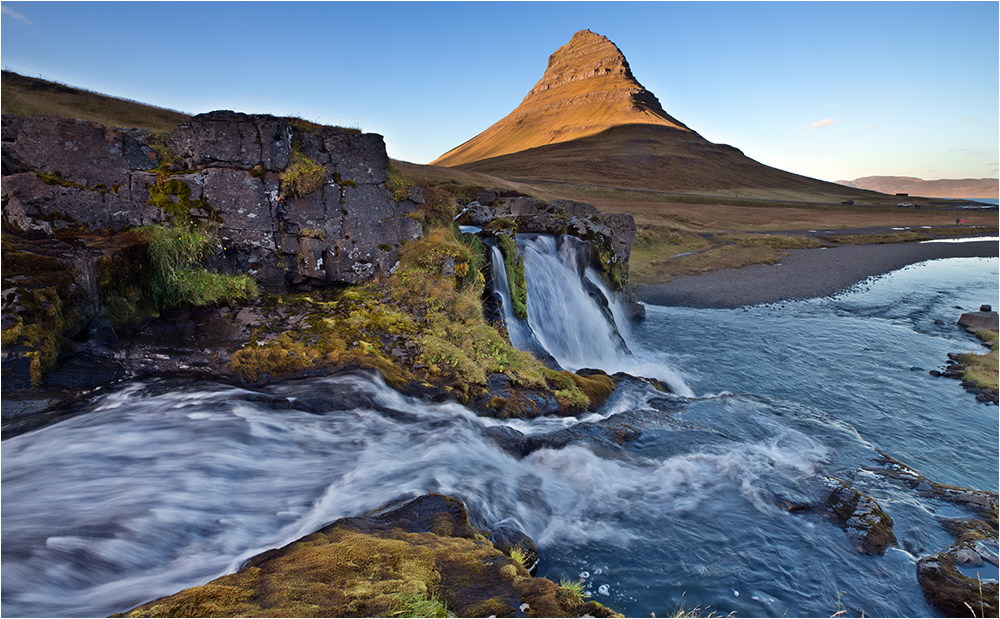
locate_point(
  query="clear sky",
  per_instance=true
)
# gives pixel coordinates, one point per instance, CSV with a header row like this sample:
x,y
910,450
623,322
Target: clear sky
x,y
834,90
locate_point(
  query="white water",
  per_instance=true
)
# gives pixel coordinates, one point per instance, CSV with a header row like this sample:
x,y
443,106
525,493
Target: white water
x,y
517,330
152,492
570,324
164,486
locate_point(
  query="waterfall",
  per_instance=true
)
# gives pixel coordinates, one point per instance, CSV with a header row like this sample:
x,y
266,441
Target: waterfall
x,y
518,331
572,314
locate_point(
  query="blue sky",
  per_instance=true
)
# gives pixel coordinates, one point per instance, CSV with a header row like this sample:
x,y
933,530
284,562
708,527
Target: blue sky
x,y
832,90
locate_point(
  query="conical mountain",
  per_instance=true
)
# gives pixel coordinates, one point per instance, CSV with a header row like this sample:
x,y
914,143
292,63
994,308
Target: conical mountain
x,y
589,121
587,88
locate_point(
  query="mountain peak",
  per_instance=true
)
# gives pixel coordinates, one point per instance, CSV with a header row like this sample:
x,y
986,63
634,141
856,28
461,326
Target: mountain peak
x,y
587,88
587,56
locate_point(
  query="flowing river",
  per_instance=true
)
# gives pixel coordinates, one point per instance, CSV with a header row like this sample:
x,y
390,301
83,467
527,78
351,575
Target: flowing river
x,y
165,484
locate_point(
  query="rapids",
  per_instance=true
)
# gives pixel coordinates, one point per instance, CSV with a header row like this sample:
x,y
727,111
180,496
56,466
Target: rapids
x,y
164,484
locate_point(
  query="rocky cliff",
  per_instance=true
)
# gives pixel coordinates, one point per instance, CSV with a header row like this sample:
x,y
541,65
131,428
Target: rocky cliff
x,y
294,207
230,168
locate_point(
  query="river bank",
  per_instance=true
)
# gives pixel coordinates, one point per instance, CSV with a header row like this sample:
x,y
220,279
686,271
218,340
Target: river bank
x,y
804,273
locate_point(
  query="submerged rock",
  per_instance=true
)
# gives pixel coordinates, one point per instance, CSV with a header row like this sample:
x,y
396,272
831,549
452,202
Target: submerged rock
x,y
950,591
863,518
422,558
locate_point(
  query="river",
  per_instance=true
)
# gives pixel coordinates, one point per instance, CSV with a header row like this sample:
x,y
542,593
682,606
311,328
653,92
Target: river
x,y
164,484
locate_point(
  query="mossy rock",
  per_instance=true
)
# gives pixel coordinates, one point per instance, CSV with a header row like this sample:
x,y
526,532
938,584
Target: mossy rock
x,y
862,517
423,558
953,593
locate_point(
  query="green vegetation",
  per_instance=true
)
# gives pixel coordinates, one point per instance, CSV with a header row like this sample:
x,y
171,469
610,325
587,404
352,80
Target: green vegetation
x,y
422,325
177,277
574,587
982,370
396,183
660,253
173,196
301,177
514,265
520,556
417,604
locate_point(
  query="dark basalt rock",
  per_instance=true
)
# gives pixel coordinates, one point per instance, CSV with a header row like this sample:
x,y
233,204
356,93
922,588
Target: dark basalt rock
x,y
68,174
951,592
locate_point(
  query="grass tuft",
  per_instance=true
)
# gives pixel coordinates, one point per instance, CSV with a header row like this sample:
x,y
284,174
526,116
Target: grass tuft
x,y
175,255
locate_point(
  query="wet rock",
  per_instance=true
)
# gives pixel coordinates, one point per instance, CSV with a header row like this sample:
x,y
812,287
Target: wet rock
x,y
423,551
869,527
506,538
983,319
951,592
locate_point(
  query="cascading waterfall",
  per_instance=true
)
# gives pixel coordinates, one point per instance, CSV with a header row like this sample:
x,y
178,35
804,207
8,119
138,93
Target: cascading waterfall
x,y
572,313
517,330
165,485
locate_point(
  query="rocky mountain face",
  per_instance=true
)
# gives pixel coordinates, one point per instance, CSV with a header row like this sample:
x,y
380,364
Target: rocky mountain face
x,y
587,87
941,188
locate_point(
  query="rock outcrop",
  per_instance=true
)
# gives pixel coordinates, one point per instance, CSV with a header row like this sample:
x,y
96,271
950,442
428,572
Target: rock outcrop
x,y
63,174
985,318
422,558
610,235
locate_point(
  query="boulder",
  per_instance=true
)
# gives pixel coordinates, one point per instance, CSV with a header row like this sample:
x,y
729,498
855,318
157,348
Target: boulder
x,y
980,320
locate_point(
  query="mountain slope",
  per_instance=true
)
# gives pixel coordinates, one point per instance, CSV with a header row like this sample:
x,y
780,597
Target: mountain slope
x,y
29,96
589,121
941,188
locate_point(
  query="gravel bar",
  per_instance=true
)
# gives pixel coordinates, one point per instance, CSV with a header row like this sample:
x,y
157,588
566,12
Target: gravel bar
x,y
804,274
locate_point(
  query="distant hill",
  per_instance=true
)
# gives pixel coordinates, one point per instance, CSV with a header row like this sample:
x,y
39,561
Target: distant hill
x,y
589,121
28,96
942,188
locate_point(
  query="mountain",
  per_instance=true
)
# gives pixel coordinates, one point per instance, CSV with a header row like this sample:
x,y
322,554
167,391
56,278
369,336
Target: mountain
x,y
588,87
589,121
941,188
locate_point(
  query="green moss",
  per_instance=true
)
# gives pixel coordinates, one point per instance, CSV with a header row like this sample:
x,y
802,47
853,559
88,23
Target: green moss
x,y
301,177
173,196
55,178
514,265
396,184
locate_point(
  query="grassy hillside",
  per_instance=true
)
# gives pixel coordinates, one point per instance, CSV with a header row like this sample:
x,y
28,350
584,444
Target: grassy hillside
x,y
655,158
29,96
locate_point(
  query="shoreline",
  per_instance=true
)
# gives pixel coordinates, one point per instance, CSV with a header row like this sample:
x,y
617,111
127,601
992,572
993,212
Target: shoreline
x,y
803,274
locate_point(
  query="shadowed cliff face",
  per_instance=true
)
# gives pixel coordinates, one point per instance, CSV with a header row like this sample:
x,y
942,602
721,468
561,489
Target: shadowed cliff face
x,y
587,88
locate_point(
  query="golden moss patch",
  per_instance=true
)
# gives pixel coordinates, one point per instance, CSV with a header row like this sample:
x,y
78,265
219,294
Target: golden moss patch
x,y
362,568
